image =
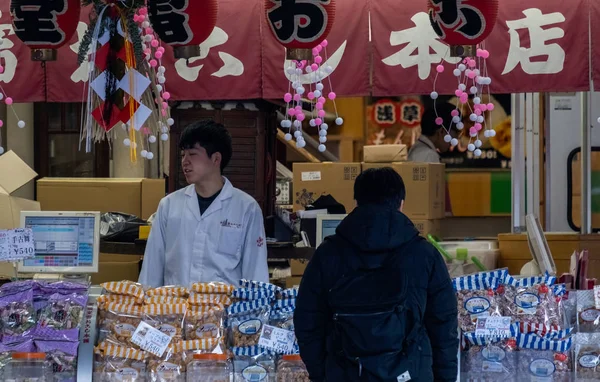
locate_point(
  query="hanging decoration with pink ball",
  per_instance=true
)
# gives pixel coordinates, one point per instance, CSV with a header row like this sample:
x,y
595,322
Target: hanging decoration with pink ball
x,y
127,81
4,97
464,26
45,26
183,24
302,28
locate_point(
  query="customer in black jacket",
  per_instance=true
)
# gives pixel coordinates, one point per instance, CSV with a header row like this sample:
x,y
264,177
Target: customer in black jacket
x,y
376,302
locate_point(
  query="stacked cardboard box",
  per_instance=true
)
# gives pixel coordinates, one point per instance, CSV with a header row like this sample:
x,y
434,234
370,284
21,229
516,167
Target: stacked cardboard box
x,y
297,266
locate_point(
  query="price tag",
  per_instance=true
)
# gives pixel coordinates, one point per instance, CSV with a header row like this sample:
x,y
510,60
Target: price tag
x,y
493,327
150,339
16,244
277,339
597,296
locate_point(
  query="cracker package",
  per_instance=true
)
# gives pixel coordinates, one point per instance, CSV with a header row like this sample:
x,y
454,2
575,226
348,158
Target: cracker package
x,y
213,288
172,291
254,363
120,363
476,295
170,367
246,320
121,323
204,322
125,288
168,318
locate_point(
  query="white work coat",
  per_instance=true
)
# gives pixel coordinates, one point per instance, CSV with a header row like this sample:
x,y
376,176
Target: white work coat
x,y
224,244
423,151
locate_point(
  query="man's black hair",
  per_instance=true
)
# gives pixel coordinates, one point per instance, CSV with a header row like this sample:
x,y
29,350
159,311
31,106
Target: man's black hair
x,y
211,136
428,125
379,186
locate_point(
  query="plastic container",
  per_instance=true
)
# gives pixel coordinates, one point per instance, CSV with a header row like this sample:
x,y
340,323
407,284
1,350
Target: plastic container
x,y
28,367
486,252
210,368
292,369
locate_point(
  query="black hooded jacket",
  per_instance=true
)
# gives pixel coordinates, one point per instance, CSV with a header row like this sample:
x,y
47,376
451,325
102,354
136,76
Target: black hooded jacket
x,y
366,233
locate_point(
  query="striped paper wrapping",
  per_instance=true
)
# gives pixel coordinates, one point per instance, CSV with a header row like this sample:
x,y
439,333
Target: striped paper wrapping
x,y
116,308
209,299
164,309
127,288
173,291
154,300
213,288
202,344
118,298
110,349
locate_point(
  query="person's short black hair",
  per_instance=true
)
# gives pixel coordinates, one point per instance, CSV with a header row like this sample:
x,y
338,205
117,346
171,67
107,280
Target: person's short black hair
x,y
211,136
428,125
379,186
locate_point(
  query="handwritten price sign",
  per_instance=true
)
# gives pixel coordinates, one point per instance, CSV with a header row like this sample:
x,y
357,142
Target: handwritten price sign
x,y
493,327
16,244
150,339
279,340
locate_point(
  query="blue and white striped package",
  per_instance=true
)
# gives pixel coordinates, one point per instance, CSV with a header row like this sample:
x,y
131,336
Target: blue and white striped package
x,y
248,306
246,320
290,293
250,351
473,339
476,298
251,284
477,281
500,274
535,342
284,303
490,360
252,294
524,282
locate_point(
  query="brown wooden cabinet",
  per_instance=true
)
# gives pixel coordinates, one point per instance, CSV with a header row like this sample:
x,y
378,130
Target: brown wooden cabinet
x,y
252,166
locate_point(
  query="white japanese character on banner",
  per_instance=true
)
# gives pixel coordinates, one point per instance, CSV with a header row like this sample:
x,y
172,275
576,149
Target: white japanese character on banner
x,y
419,40
10,60
231,65
534,21
81,74
312,78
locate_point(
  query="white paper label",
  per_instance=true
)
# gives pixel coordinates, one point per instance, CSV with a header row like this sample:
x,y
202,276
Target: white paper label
x,y
16,244
277,339
542,370
310,176
254,373
597,296
527,303
590,315
493,327
150,339
589,361
404,377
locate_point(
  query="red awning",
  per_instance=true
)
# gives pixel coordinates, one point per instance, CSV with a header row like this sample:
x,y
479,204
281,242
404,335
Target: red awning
x,y
539,45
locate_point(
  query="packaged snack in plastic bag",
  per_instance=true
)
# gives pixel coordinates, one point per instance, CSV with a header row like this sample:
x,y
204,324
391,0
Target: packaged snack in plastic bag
x,y
122,323
288,293
155,300
210,368
530,302
476,298
246,320
489,359
126,288
62,355
170,367
220,300
253,364
282,318
204,346
588,317
20,285
119,363
6,351
173,291
119,299
246,294
587,357
167,318
17,314
203,322
542,359
65,287
213,288
63,311
291,369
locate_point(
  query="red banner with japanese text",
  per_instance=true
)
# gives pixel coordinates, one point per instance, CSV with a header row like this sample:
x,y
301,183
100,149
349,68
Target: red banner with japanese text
x,y
595,25
536,46
229,66
347,54
22,79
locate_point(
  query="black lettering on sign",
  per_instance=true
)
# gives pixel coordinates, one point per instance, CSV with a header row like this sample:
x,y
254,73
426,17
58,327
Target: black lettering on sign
x,y
303,21
170,21
36,21
458,17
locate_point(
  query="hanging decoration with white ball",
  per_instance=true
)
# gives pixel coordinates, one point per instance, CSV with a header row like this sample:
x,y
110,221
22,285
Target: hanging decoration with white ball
x,y
302,28
127,81
464,28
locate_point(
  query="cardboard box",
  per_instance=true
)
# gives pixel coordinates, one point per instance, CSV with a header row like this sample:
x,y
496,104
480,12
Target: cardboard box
x,y
385,153
428,227
311,180
114,267
139,197
293,282
425,188
14,174
298,266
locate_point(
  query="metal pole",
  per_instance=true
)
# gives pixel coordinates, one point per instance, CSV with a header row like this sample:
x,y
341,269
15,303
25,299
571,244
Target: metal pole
x,y
530,155
586,148
535,155
518,162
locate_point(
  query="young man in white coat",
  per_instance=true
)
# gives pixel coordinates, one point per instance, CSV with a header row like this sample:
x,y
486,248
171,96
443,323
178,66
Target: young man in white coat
x,y
210,230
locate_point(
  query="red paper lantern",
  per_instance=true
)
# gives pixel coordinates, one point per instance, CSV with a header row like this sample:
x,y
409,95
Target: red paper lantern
x,y
460,22
183,24
300,25
44,26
